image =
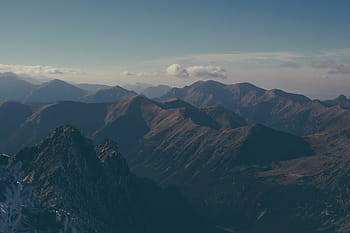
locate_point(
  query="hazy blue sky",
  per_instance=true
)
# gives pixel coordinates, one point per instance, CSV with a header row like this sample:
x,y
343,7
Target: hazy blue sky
x,y
131,41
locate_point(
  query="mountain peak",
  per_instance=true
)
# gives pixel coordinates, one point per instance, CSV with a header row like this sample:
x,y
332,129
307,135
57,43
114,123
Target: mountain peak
x,y
65,131
63,153
247,85
207,83
12,87
156,91
108,95
273,93
67,137
341,101
77,188
55,90
56,82
139,99
341,97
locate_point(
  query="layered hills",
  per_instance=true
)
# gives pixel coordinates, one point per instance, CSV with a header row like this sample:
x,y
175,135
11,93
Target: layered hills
x,y
275,108
126,121
15,88
223,148
211,154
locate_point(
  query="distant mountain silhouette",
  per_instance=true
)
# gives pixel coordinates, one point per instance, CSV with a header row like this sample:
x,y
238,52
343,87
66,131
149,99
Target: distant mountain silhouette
x,y
108,95
66,184
155,91
13,88
341,101
92,87
137,87
55,90
275,108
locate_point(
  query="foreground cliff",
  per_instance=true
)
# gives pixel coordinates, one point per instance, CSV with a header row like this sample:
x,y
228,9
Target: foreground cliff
x,y
65,184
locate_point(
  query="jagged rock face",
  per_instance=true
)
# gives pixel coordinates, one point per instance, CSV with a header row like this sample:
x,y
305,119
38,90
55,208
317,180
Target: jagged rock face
x,y
65,184
21,210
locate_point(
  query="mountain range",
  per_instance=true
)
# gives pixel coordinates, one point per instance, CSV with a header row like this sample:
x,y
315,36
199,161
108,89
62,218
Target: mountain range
x,y
275,108
218,161
14,88
223,158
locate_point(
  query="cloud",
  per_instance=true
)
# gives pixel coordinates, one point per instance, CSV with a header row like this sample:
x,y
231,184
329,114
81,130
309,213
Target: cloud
x,y
290,64
340,69
241,57
207,71
37,70
177,70
324,64
215,72
128,73
333,67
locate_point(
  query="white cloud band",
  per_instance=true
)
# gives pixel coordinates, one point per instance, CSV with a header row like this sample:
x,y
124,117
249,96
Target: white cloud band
x,y
37,70
215,72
